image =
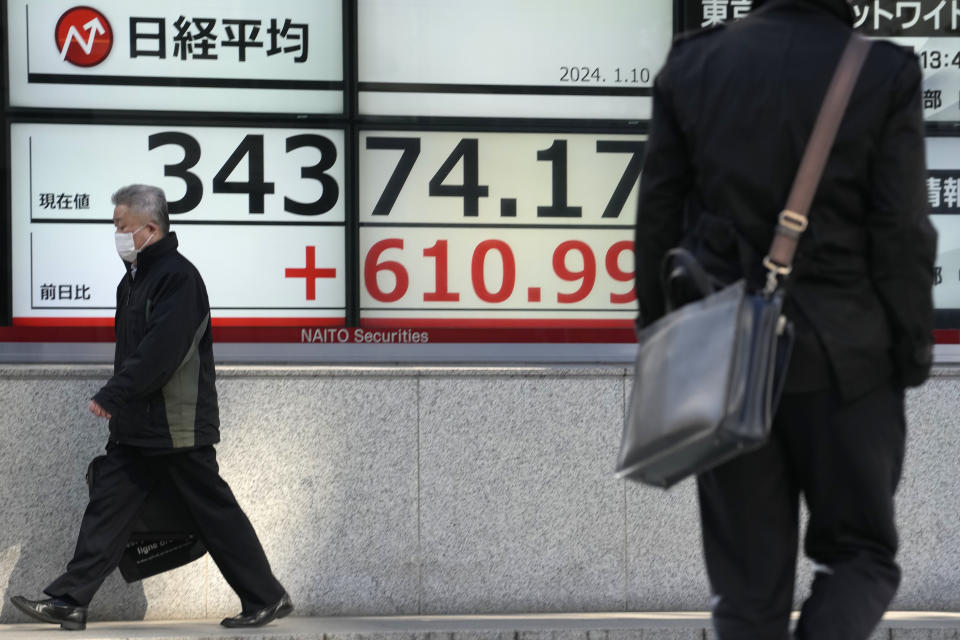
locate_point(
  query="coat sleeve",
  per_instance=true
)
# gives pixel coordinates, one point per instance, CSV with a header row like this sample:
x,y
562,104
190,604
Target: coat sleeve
x,y
664,184
175,318
903,242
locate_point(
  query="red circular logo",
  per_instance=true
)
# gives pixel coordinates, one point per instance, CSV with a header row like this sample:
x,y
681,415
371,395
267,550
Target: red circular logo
x,y
84,36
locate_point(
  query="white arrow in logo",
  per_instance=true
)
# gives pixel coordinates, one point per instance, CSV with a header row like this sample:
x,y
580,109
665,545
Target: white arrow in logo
x,y
95,27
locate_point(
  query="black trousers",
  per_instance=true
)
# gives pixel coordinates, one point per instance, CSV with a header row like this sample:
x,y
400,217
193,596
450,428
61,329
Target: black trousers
x,y
123,481
845,459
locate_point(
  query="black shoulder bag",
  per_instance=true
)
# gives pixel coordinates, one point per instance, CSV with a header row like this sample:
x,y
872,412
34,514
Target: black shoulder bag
x,y
707,373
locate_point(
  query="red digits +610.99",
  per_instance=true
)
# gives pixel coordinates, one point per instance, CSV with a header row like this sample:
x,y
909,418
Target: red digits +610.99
x,y
496,292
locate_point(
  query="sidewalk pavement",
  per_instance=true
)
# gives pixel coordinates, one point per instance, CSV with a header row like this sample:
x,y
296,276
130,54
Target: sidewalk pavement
x,y
904,625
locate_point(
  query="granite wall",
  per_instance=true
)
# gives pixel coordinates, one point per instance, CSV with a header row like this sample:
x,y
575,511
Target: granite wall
x,y
405,490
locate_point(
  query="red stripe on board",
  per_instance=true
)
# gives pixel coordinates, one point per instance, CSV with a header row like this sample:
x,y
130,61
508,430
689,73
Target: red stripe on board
x,y
56,334
946,336
458,323
295,335
217,322
55,330
63,322
278,322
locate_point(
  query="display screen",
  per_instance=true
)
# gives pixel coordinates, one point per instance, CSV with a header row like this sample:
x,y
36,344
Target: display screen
x,y
259,212
943,187
930,27
284,56
503,58
372,171
498,229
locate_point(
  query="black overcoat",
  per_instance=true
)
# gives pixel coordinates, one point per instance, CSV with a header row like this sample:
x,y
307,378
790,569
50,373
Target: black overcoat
x,y
733,109
162,394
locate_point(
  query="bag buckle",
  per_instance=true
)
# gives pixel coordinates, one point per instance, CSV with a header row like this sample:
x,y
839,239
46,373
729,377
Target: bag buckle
x,y
774,271
796,222
781,325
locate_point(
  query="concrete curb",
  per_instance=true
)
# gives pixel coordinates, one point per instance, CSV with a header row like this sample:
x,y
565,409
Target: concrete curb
x,y
659,625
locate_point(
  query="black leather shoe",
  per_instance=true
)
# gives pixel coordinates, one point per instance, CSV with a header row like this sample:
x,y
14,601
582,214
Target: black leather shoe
x,y
261,617
72,618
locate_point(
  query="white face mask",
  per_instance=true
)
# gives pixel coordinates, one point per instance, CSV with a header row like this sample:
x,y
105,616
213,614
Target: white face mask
x,y
126,246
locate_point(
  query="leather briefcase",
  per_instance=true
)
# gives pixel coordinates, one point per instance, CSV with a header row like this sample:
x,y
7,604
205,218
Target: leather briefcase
x,y
707,373
164,537
707,376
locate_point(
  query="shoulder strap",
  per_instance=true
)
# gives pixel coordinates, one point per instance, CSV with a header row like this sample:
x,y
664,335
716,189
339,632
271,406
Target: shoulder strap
x,y
793,219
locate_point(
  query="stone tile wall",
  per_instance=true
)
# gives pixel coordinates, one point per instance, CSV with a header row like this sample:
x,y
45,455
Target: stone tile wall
x,y
430,490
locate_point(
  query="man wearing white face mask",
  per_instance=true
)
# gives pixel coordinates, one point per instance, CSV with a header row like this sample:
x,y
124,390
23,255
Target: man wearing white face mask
x,y
164,420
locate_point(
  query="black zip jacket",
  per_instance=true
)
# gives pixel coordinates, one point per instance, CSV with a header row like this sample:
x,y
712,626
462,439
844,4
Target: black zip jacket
x,y
733,110
162,394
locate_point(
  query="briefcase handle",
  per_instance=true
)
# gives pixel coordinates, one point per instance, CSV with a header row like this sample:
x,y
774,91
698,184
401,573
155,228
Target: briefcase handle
x,y
684,279
794,218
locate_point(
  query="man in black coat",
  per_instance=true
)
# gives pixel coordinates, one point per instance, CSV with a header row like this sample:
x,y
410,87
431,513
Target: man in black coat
x,y
164,420
733,109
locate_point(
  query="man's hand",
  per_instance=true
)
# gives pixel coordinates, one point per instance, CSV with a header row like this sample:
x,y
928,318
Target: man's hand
x,y
99,411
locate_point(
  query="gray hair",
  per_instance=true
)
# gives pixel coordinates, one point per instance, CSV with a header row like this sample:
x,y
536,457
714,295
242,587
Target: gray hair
x,y
145,200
